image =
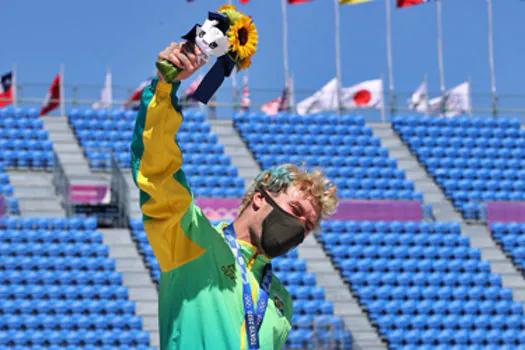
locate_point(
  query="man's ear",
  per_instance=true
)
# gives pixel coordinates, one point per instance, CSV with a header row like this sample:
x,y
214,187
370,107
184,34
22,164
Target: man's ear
x,y
257,201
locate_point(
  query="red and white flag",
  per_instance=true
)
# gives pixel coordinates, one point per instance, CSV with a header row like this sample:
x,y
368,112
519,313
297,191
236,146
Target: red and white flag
x,y
6,89
52,100
133,101
367,94
279,104
407,3
245,99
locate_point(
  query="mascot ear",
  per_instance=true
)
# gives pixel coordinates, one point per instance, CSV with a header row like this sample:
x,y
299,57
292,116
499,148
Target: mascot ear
x,y
224,22
190,36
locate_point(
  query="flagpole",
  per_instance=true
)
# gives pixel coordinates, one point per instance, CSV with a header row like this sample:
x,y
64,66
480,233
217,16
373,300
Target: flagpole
x,y
62,95
389,58
292,93
337,56
491,60
426,96
14,87
234,81
285,43
110,87
440,48
469,97
382,104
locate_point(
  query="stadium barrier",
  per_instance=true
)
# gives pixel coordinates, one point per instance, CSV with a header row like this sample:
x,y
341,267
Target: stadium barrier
x,y
348,210
119,191
505,212
61,185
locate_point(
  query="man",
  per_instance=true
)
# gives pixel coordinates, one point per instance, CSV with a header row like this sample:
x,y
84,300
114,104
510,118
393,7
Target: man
x,y
216,288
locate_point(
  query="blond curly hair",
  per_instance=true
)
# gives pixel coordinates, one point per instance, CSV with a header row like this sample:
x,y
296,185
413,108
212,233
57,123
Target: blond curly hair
x,y
313,183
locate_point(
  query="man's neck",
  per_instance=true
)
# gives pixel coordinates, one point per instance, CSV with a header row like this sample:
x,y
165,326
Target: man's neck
x,y
242,231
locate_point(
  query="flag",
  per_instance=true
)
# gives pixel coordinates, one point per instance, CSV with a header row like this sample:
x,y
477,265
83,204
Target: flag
x,y
352,2
133,101
105,94
367,94
407,3
323,100
245,99
295,2
244,1
279,104
418,101
187,99
456,101
52,100
6,89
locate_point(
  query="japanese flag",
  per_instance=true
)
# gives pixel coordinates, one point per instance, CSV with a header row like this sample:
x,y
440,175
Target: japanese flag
x,y
367,94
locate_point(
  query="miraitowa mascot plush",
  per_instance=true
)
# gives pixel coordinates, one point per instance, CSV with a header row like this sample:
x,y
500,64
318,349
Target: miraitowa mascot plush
x,y
228,35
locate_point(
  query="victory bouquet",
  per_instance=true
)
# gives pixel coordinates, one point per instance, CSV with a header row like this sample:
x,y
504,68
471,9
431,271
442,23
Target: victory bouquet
x,y
227,34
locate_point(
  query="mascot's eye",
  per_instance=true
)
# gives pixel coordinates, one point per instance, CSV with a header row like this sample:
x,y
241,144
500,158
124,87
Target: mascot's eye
x,y
213,45
202,34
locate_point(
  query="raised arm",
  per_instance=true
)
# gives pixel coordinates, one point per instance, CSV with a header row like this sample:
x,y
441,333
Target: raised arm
x,y
165,197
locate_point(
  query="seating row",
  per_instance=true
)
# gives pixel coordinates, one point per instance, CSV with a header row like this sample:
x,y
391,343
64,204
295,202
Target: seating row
x,y
462,122
294,119
59,292
54,249
395,239
477,294
391,227
49,236
412,265
57,264
361,279
66,307
299,129
74,322
329,161
472,132
61,277
43,223
82,338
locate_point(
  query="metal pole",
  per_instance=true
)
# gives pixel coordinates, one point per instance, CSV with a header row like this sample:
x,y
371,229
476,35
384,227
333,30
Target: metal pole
x,y
491,60
440,48
383,102
234,81
14,87
285,43
109,87
469,97
337,56
389,58
62,95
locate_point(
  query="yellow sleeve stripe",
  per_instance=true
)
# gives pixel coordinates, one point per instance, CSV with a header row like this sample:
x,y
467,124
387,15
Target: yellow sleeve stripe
x,y
169,200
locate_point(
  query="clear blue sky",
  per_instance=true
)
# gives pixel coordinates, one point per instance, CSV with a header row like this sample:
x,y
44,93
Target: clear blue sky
x,y
127,35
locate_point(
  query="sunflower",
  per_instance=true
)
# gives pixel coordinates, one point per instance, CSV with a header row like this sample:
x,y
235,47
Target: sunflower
x,y
243,37
245,63
226,8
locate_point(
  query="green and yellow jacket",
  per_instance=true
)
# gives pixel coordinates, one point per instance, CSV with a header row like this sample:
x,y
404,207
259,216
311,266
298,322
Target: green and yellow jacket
x,y
200,291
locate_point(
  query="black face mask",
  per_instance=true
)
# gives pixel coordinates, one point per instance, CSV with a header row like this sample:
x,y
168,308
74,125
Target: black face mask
x,y
281,231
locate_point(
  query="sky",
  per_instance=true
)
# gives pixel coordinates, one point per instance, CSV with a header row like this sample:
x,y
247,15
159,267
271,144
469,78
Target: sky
x,y
126,36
